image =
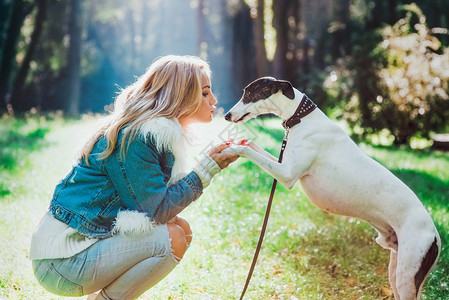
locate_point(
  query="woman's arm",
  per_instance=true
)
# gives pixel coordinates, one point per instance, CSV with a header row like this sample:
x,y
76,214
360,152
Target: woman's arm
x,y
139,181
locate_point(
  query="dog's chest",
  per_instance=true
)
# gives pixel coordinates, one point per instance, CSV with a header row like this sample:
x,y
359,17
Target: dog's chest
x,y
333,194
320,195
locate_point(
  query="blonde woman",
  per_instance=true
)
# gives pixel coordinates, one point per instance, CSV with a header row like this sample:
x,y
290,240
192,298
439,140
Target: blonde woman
x,y
112,224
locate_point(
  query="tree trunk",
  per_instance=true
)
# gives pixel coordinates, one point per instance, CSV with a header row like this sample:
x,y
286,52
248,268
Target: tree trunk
x,y
132,40
5,12
201,32
259,37
340,36
280,23
244,68
24,68
19,11
74,59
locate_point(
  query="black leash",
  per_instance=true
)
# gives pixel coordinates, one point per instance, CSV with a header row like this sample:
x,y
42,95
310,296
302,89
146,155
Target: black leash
x,y
305,107
265,221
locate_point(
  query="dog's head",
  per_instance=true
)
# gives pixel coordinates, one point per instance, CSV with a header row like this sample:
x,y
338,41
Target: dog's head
x,y
262,96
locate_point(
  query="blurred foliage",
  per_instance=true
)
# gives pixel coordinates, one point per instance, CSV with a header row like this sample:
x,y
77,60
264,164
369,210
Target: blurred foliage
x,y
378,66
415,80
19,137
397,79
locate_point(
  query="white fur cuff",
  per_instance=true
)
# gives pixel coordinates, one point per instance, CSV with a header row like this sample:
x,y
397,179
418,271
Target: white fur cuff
x,y
206,169
131,222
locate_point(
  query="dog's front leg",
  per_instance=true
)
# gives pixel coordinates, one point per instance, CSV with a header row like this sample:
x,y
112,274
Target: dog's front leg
x,y
283,172
260,150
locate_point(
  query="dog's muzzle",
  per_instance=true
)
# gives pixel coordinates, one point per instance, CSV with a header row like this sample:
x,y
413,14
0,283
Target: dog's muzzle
x,y
229,115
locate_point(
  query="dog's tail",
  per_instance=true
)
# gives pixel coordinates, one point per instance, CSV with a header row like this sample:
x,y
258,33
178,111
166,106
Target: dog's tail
x,y
428,262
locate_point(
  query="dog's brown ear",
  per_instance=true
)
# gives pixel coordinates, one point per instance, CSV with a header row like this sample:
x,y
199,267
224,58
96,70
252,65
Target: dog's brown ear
x,y
287,89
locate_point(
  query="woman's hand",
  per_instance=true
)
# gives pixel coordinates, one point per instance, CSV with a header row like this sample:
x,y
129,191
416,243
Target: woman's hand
x,y
223,159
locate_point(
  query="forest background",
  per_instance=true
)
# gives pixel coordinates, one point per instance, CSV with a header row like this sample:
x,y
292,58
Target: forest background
x,y
380,68
381,65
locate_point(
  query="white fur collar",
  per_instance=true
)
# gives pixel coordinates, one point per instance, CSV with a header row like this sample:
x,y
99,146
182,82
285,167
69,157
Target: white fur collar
x,y
169,136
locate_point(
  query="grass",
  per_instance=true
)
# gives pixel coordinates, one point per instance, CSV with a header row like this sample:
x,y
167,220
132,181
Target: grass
x,y
306,254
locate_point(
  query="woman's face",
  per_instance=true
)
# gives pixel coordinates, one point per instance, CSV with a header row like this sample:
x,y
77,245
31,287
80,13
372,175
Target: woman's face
x,y
207,109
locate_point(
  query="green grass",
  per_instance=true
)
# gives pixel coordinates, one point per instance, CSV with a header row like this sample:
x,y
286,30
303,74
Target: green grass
x,y
306,254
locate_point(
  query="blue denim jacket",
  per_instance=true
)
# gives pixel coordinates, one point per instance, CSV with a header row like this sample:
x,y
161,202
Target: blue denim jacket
x,y
90,197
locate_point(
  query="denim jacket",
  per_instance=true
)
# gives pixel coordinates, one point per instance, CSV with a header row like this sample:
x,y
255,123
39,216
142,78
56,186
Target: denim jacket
x,y
90,197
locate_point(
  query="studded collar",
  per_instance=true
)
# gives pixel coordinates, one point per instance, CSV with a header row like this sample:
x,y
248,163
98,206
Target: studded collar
x,y
305,107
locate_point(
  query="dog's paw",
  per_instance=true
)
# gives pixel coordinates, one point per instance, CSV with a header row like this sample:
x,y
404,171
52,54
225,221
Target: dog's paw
x,y
237,150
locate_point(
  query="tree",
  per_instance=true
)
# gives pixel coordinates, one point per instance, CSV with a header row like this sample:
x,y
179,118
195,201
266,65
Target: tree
x,y
396,79
414,81
280,23
301,27
74,59
5,12
19,83
242,50
259,39
20,9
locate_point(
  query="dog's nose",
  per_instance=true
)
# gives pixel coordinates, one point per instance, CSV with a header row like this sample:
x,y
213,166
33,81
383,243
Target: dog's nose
x,y
228,116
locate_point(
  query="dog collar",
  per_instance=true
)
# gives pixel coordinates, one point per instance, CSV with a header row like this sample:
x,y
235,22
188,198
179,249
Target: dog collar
x,y
305,107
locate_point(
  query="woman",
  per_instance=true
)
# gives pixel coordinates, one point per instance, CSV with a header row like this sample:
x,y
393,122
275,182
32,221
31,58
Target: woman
x,y
112,225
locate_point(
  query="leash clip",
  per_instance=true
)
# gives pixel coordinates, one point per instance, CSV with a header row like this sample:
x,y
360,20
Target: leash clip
x,y
287,131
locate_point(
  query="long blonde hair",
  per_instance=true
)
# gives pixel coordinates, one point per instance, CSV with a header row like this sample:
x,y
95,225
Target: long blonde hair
x,y
170,88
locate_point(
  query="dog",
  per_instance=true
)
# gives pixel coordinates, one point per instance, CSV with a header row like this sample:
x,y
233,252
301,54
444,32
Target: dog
x,y
340,179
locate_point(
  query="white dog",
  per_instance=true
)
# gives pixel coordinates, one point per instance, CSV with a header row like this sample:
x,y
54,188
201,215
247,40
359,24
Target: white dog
x,y
339,179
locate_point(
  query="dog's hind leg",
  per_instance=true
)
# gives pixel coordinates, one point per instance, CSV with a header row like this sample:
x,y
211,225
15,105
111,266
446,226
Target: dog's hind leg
x,y
388,240
392,272
428,262
416,257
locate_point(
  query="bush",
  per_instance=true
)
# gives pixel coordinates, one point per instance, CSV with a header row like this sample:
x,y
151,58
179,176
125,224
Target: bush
x,y
396,79
415,81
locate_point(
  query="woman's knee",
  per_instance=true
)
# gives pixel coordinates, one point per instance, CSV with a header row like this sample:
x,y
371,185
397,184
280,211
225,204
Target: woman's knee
x,y
178,240
186,227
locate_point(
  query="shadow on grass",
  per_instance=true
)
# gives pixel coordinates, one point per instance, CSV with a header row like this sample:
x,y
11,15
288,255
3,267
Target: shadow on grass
x,y
17,140
432,190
